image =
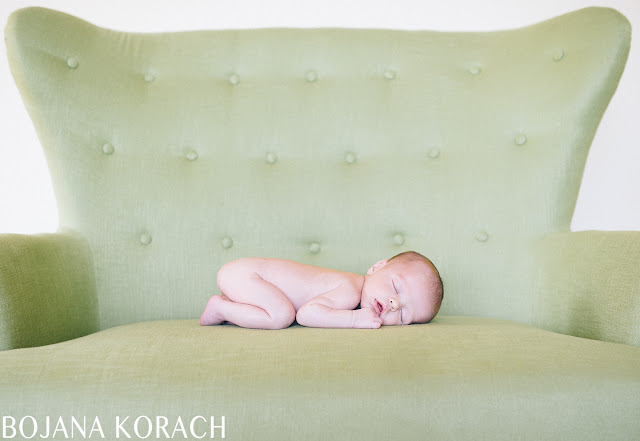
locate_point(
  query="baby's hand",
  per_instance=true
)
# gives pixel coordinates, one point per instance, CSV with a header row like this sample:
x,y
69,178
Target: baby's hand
x,y
366,318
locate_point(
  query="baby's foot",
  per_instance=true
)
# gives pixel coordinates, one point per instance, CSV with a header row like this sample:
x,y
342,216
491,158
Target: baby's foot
x,y
211,314
226,322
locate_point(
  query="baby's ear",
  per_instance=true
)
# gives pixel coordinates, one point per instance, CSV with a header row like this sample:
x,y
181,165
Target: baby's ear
x,y
377,266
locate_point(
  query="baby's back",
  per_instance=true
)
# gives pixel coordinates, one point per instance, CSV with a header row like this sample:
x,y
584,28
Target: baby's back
x,y
298,281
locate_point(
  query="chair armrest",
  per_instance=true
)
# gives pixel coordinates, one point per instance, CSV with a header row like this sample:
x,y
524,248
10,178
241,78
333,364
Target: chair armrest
x,y
588,285
47,289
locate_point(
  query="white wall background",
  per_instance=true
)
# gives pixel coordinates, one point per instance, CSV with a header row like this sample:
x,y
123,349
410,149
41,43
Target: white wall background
x,y
608,197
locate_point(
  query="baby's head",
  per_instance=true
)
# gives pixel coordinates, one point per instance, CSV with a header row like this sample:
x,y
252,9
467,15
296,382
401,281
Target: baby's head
x,y
404,289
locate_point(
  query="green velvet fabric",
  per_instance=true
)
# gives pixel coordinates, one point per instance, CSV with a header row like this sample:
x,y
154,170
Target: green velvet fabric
x,y
458,378
589,285
174,153
47,289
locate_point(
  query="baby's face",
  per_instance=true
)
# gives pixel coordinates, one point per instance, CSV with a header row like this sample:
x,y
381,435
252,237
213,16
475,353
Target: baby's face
x,y
399,292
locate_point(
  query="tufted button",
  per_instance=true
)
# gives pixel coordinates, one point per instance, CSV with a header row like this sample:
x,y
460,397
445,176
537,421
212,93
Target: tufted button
x,y
520,139
271,158
350,158
234,79
72,63
558,54
226,242
482,236
107,149
434,153
149,77
314,247
312,76
192,155
475,70
398,239
145,238
389,74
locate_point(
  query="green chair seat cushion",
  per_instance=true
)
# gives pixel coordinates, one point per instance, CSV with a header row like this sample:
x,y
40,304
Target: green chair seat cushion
x,y
452,379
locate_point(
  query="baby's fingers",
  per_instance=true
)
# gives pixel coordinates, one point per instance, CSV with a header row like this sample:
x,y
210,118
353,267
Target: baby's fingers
x,y
366,318
376,321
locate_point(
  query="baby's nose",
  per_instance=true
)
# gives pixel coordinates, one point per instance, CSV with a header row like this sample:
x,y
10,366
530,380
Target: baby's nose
x,y
393,304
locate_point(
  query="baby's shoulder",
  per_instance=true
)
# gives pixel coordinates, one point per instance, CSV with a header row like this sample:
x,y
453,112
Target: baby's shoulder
x,y
348,281
355,280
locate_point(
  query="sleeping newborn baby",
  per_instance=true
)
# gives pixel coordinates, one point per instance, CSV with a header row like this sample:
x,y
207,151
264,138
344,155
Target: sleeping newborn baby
x,y
270,293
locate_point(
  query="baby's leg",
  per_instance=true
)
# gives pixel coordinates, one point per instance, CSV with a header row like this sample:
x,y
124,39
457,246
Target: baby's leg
x,y
251,301
211,314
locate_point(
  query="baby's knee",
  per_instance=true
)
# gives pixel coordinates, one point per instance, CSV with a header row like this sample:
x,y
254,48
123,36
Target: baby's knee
x,y
283,317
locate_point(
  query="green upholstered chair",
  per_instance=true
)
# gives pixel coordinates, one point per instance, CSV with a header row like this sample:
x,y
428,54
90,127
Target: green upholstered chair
x,y
173,153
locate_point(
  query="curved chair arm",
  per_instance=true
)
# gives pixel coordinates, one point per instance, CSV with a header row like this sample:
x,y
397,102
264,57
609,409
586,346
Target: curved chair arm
x,y
47,289
588,285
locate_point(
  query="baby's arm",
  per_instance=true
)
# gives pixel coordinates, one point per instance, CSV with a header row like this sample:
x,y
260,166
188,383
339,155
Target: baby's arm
x,y
335,309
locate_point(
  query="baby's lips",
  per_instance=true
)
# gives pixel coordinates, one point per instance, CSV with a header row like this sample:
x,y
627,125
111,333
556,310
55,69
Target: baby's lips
x,y
378,307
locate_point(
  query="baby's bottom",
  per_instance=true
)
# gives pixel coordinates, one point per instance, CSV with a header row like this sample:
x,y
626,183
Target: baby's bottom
x,y
249,301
